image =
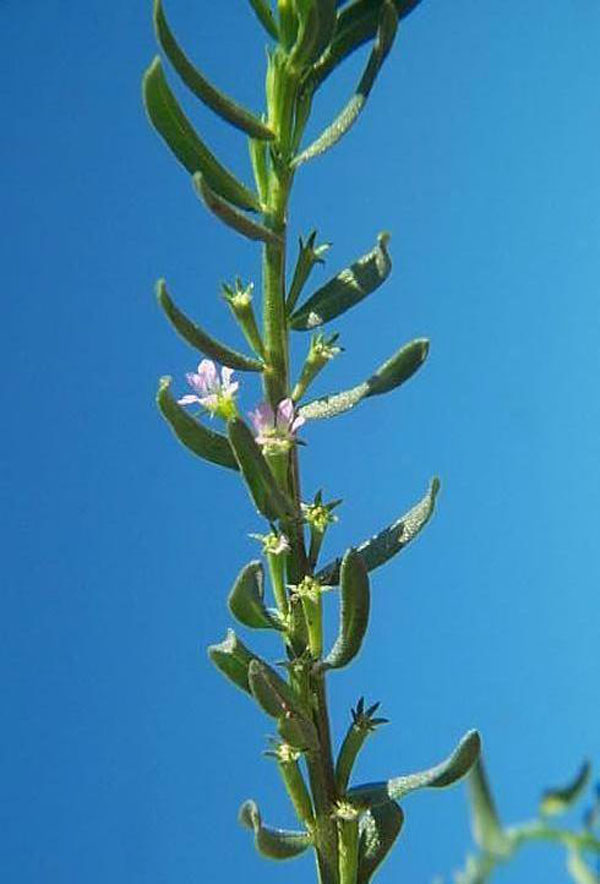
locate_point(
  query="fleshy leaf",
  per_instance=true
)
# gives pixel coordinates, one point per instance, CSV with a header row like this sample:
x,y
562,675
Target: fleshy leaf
x,y
203,442
262,486
346,289
272,843
316,27
246,599
357,23
556,801
277,699
221,104
229,215
171,123
354,612
383,546
579,870
386,31
378,830
393,373
485,824
198,338
444,774
232,658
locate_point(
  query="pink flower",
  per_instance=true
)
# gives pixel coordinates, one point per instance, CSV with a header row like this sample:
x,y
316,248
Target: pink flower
x,y
276,430
212,392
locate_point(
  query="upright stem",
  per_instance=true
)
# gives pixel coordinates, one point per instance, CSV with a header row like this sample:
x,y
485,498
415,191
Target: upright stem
x,y
281,92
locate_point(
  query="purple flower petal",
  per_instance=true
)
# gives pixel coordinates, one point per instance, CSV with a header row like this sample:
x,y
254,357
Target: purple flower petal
x,y
188,399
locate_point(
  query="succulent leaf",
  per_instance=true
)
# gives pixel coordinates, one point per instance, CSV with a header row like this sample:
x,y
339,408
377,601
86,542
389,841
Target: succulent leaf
x,y
221,104
354,612
171,123
559,800
226,212
272,843
485,823
386,32
269,499
201,340
232,658
393,373
246,599
345,290
378,829
383,546
197,438
444,774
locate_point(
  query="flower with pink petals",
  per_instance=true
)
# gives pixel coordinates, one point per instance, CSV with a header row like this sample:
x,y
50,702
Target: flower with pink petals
x,y
276,431
215,394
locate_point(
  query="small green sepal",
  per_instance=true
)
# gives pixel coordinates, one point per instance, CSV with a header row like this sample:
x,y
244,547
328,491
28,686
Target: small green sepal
x,y
309,255
197,438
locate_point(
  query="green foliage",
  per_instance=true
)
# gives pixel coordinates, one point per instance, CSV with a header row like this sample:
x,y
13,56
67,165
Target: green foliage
x,y
197,438
351,830
171,123
347,289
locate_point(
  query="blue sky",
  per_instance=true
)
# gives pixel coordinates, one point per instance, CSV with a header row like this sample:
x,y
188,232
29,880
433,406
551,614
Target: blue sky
x,y
126,755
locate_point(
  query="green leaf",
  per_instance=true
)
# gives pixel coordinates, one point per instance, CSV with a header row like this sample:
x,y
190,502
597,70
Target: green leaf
x,y
579,870
171,123
246,599
317,22
378,830
232,658
265,16
277,699
221,104
346,289
199,339
393,373
203,442
272,843
357,23
231,216
386,31
557,801
354,612
485,824
444,774
383,546
269,499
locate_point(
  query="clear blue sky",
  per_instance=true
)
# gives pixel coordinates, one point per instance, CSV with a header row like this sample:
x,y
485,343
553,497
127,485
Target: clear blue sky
x,y
126,756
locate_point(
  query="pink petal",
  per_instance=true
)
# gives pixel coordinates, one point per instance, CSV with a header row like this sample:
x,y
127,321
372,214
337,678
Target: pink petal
x,y
298,422
188,399
207,371
285,413
262,417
